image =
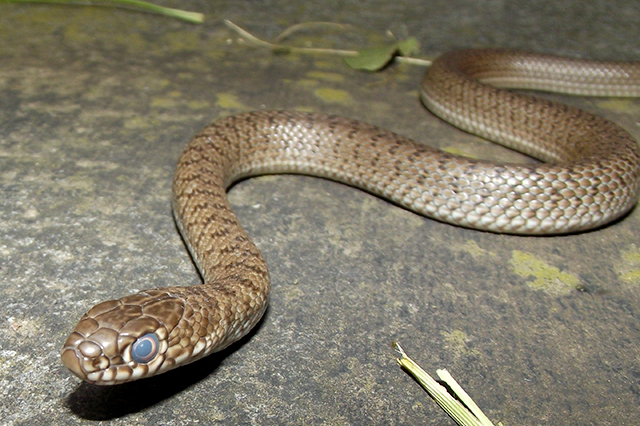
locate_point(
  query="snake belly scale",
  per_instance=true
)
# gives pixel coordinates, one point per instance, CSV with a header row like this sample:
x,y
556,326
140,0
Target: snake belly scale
x,y
590,176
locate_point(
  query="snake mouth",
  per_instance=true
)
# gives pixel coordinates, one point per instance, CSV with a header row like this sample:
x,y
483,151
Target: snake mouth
x,y
104,371
95,361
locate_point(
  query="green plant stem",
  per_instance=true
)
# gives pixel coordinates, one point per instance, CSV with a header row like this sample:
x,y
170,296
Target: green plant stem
x,y
193,17
282,48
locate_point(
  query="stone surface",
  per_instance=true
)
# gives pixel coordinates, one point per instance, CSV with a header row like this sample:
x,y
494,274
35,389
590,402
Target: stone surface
x,y
96,105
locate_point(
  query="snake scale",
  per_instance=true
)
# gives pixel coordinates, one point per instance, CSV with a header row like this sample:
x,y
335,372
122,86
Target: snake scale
x,y
589,177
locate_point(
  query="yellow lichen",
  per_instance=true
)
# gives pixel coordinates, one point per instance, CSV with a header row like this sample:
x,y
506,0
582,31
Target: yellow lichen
x,y
628,267
229,101
456,341
305,82
198,104
474,249
335,96
547,277
163,102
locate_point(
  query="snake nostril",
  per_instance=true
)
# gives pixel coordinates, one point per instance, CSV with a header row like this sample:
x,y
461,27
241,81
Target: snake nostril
x,y
145,348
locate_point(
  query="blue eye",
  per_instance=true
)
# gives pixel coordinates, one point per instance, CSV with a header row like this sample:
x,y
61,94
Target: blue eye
x,y
145,348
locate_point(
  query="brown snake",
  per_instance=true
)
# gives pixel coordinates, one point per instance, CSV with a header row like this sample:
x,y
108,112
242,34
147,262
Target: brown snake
x,y
590,178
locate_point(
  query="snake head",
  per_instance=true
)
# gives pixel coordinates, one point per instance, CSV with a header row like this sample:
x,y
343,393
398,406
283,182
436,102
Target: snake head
x,y
134,337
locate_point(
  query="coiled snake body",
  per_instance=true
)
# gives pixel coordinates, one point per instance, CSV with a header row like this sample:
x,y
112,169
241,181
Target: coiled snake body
x,y
590,177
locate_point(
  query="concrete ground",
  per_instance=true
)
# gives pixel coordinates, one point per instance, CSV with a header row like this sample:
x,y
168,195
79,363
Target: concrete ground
x,y
96,105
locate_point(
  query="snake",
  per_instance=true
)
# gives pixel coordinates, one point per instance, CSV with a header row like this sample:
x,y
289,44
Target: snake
x,y
587,176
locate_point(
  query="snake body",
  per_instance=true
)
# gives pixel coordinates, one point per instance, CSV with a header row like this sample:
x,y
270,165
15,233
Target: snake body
x,y
590,177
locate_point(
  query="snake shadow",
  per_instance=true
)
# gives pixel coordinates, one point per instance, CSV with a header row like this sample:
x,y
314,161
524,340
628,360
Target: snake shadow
x,y
93,402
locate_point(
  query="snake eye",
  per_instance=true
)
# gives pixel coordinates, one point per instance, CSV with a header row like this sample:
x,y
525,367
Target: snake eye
x,y
145,348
